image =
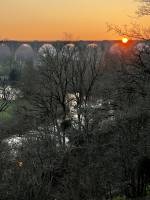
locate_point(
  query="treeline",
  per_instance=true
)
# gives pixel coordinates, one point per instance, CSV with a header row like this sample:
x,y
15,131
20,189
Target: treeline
x,y
84,119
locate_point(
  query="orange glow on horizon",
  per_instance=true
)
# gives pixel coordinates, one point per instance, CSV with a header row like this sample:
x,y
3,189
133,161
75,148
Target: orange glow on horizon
x,y
64,19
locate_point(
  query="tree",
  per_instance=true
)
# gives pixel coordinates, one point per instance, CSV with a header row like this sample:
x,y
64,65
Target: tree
x,y
63,100
86,128
14,75
130,96
144,8
135,30
5,94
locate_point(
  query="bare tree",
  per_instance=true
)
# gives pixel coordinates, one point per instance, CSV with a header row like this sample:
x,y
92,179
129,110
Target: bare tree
x,y
134,31
71,71
144,8
6,94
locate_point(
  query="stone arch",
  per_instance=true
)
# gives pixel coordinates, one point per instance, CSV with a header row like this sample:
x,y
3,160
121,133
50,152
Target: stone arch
x,y
5,52
68,50
94,50
92,45
47,49
25,53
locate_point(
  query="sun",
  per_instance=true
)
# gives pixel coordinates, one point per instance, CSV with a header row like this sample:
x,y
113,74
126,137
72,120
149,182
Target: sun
x,y
125,40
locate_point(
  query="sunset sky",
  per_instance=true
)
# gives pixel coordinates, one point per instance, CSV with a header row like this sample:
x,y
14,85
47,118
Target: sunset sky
x,y
50,19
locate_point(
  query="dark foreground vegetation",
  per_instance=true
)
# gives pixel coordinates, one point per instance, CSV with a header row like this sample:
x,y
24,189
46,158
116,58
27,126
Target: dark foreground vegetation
x,y
84,119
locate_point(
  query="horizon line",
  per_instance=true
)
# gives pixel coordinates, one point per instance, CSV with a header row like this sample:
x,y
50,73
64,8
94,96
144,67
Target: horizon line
x,y
60,40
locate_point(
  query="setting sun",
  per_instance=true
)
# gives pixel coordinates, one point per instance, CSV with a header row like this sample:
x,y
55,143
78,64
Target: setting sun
x,y
125,40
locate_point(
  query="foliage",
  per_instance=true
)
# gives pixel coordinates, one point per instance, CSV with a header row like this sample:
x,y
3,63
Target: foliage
x,y
84,129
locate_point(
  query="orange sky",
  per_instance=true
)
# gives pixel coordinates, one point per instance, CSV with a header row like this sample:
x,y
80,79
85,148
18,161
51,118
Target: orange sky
x,y
50,19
